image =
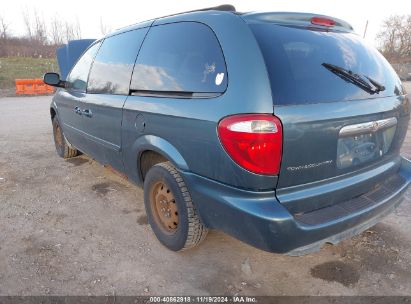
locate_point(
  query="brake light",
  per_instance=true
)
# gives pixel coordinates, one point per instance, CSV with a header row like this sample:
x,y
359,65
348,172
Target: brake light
x,y
253,141
322,21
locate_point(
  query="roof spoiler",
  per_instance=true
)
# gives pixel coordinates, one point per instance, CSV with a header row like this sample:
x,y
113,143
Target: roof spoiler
x,y
298,19
223,8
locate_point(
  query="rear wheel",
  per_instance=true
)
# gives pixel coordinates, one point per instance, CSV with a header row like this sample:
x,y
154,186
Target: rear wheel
x,y
62,147
170,210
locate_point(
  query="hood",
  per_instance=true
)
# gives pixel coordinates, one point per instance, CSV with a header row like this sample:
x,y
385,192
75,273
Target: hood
x,y
68,54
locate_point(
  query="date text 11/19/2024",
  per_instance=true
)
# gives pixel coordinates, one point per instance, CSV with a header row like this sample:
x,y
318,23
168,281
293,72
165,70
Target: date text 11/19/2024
x,y
203,299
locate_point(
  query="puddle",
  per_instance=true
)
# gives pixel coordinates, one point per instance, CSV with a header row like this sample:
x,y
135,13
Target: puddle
x,y
336,271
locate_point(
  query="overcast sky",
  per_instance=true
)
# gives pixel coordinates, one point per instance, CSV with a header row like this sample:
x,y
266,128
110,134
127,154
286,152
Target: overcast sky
x,y
120,13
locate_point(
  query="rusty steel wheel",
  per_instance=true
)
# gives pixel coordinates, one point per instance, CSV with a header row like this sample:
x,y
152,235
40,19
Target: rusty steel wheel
x,y
165,207
58,136
62,147
170,209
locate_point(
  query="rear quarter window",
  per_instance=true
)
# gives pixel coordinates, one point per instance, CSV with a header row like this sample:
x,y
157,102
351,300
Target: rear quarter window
x,y
294,58
180,57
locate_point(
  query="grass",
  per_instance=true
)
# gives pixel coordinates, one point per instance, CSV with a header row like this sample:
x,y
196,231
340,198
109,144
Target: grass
x,y
12,68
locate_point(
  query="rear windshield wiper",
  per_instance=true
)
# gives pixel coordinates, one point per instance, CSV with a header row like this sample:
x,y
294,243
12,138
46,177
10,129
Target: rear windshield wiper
x,y
369,85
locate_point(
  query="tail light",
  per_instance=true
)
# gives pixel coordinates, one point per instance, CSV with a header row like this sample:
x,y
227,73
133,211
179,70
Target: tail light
x,y
253,141
322,21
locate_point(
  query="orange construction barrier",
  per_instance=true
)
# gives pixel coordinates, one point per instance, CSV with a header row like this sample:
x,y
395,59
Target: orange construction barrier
x,y
32,87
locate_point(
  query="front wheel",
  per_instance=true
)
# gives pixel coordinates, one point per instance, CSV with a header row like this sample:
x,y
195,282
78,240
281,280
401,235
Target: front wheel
x,y
62,147
170,210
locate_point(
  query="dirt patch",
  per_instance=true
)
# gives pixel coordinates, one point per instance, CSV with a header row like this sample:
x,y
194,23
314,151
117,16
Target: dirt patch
x,y
128,211
382,250
77,161
53,219
102,189
80,230
38,248
43,256
377,250
7,92
142,220
215,283
31,155
336,271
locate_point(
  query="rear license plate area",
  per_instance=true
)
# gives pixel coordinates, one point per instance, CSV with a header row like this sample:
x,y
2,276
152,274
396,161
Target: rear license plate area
x,y
359,149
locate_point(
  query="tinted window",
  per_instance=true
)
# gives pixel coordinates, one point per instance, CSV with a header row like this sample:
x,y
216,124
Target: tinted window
x,y
77,80
294,58
180,57
112,67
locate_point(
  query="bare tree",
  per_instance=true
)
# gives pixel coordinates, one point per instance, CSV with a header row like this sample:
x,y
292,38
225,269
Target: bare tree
x,y
56,31
395,37
407,36
77,29
68,31
72,31
4,27
27,23
104,28
40,30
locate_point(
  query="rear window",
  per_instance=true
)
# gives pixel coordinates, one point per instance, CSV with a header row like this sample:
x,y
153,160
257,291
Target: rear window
x,y
180,57
294,58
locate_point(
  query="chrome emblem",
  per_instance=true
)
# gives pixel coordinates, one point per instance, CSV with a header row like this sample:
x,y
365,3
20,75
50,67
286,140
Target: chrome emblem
x,y
310,166
368,127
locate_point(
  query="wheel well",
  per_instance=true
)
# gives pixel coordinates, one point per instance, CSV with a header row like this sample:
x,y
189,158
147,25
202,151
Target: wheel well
x,y
52,113
149,159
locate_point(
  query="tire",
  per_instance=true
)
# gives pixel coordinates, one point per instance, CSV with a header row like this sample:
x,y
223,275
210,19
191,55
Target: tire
x,y
177,235
62,147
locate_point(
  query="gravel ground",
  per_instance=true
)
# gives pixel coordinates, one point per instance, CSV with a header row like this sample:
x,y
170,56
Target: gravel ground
x,y
76,228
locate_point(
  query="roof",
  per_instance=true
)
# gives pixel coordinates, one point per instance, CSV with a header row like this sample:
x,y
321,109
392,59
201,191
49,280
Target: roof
x,y
220,8
281,18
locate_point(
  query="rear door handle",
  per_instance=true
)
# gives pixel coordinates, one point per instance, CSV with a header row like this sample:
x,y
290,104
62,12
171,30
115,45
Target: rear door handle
x,y
87,113
77,110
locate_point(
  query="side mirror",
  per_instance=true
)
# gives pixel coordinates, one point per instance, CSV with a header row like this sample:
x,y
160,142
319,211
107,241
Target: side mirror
x,y
54,80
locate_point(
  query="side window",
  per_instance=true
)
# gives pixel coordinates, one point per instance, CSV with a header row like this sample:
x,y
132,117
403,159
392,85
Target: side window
x,y
113,65
180,57
77,79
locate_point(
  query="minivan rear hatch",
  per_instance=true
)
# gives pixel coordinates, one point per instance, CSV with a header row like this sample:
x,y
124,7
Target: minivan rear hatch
x,y
343,108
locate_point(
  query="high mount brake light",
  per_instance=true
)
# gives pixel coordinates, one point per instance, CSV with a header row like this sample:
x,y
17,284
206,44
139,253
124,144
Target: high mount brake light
x,y
253,141
322,21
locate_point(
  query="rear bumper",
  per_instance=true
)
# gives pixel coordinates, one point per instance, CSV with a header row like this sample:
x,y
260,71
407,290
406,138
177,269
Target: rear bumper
x,y
259,219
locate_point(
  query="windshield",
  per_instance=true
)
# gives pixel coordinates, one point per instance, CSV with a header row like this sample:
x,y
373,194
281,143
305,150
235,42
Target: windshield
x,y
295,56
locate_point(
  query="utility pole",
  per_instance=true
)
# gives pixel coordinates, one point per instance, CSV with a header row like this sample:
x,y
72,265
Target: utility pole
x,y
365,30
